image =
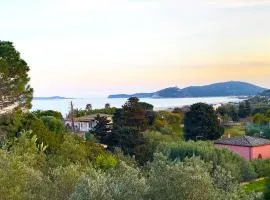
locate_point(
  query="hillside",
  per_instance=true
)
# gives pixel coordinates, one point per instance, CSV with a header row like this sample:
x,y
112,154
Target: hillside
x,y
231,88
265,93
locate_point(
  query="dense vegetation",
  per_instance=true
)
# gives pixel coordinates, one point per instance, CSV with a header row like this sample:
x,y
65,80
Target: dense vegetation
x,y
147,156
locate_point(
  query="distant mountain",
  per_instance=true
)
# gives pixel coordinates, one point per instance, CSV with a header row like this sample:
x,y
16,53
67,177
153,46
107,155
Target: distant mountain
x,y
50,98
231,88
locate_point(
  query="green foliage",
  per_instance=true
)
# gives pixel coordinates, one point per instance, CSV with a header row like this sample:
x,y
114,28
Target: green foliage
x,y
228,110
81,170
240,169
169,124
244,109
128,124
105,162
123,183
20,177
10,124
267,189
201,122
134,114
190,179
64,180
178,180
44,135
127,138
53,124
235,130
52,113
262,167
102,129
14,79
261,119
258,130
155,137
71,150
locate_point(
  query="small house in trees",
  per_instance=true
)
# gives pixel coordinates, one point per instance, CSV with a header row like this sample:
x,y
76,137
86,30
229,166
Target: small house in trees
x,y
85,123
246,146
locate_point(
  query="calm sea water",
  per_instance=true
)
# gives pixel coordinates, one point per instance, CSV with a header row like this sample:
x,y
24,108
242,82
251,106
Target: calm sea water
x,y
63,105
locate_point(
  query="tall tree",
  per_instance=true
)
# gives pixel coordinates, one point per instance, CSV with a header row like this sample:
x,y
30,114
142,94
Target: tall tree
x,y
14,80
107,106
244,109
201,122
88,107
102,128
134,114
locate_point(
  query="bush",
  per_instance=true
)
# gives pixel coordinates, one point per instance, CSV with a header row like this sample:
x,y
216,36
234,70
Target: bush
x,y
190,179
240,169
105,161
122,183
262,167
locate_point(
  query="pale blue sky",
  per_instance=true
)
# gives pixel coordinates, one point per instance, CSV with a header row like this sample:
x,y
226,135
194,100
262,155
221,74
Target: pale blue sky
x,y
95,48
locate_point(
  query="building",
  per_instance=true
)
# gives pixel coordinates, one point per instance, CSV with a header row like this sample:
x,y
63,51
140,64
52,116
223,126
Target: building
x,y
248,147
85,123
216,106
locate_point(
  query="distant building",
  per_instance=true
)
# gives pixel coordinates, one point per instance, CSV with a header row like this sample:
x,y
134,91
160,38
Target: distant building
x,y
216,106
248,147
85,123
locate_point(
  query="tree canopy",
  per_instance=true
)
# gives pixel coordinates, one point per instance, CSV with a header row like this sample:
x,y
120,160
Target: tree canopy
x,y
14,79
201,122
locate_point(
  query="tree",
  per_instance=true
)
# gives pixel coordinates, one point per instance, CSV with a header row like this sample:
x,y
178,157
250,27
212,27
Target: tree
x,y
127,138
53,124
244,109
146,106
88,107
107,106
52,113
228,110
201,122
134,114
102,128
14,80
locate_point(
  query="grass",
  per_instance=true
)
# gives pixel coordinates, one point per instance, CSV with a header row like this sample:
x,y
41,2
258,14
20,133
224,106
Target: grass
x,y
255,186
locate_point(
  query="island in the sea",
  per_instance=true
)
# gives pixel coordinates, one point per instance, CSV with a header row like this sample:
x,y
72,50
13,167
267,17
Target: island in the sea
x,y
51,98
230,88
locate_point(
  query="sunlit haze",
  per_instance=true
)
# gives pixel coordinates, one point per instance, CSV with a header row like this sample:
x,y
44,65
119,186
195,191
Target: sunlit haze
x,y
84,48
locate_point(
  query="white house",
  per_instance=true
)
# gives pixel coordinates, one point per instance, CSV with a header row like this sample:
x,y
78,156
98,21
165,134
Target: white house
x,y
216,106
85,123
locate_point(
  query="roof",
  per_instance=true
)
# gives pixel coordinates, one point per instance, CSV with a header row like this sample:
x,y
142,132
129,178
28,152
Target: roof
x,y
246,141
88,118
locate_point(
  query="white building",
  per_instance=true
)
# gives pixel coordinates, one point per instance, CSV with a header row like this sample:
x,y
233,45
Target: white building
x,y
216,106
85,123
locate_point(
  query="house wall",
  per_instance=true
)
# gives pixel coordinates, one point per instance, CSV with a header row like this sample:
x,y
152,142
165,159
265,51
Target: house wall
x,y
240,150
82,126
263,150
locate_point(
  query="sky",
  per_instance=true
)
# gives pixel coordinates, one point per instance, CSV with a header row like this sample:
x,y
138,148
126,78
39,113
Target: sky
x,y
86,48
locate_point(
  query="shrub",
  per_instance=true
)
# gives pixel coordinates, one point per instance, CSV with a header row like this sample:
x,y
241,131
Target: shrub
x,y
240,169
262,167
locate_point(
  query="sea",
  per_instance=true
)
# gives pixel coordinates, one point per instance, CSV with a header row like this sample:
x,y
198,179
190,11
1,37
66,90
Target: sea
x,y
63,105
